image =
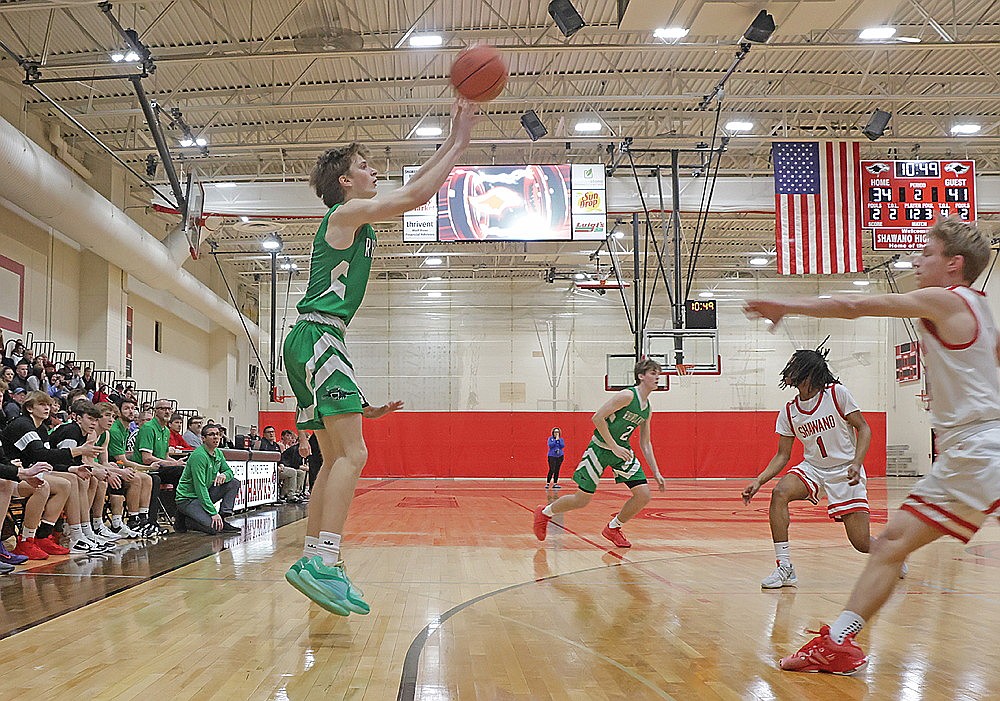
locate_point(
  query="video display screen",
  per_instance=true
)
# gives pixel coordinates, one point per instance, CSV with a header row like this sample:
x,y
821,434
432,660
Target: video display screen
x,y
513,203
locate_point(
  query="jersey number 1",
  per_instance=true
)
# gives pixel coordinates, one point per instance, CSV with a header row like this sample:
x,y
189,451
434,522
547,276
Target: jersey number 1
x,y
822,448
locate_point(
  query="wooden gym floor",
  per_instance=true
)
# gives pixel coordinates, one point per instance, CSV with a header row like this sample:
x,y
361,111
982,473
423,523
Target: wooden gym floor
x,y
466,604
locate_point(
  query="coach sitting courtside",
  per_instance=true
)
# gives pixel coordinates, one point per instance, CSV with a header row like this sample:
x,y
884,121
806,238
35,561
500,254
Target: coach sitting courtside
x,y
207,478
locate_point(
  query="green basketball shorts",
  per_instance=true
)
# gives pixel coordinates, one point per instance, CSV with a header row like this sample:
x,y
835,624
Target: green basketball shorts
x,y
320,373
596,459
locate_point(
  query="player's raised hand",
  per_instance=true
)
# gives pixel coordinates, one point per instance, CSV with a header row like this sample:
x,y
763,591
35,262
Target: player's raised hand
x,y
765,309
463,118
749,491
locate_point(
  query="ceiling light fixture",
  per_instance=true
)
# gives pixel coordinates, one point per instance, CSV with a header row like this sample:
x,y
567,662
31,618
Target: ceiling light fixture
x,y
862,283
434,294
670,33
739,126
707,294
902,264
877,33
428,131
271,243
426,41
433,260
965,129
759,260
588,126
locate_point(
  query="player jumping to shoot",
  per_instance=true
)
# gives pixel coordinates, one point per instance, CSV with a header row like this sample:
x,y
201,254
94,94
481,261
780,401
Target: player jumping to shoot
x,y
961,349
835,439
319,369
609,447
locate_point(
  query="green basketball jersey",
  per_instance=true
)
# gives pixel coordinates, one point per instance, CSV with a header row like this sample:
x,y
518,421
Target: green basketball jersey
x,y
338,278
623,422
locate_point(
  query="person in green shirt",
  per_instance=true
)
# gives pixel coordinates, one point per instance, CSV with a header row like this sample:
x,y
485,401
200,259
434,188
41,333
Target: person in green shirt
x,y
614,423
319,369
207,478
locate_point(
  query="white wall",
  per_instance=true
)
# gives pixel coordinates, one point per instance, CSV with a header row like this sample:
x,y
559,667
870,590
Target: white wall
x,y
454,352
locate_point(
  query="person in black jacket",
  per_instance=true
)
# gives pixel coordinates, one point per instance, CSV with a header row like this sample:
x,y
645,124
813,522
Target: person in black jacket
x,y
11,478
27,438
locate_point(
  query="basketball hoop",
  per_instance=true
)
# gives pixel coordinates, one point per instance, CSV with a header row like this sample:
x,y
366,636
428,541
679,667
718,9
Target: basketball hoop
x,y
683,369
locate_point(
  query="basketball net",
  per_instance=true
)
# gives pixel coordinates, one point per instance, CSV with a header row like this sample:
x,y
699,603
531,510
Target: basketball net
x,y
683,369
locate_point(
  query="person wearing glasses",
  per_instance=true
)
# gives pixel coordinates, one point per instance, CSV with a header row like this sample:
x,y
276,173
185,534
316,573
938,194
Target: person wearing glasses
x,y
207,479
152,446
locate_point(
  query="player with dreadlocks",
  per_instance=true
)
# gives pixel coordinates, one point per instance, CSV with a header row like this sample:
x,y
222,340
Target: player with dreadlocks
x,y
835,438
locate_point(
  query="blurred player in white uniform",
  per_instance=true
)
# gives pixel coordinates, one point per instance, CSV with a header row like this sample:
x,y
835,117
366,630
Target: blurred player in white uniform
x,y
961,351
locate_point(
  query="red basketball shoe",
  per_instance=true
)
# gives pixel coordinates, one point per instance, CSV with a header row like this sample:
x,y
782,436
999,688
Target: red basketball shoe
x,y
29,547
51,545
822,654
541,523
616,536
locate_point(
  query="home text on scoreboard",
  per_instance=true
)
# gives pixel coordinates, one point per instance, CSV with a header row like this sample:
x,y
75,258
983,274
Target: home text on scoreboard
x,y
914,194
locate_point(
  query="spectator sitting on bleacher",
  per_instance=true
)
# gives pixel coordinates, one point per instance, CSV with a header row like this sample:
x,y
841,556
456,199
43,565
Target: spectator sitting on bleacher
x,y
91,481
152,447
59,389
226,443
11,479
21,372
102,395
268,442
27,438
121,445
37,381
12,408
88,381
178,446
135,486
207,478
7,374
193,434
292,470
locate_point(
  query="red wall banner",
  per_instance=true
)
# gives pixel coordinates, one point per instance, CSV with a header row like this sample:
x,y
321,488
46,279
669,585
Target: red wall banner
x,y
513,444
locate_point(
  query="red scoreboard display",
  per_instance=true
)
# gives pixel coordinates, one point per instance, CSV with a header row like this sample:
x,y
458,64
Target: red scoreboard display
x,y
902,199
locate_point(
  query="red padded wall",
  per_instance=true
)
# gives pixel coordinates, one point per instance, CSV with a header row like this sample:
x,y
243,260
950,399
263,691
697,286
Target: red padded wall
x,y
513,444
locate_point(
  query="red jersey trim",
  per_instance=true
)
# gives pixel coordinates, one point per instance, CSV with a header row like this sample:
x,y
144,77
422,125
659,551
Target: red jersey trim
x,y
838,516
810,487
833,393
970,289
847,503
993,507
931,522
932,330
819,401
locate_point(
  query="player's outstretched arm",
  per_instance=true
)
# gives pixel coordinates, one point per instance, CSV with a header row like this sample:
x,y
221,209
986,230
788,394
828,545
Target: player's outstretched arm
x,y
933,303
776,465
646,446
356,212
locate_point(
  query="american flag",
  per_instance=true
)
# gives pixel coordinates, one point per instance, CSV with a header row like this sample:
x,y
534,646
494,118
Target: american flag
x,y
817,207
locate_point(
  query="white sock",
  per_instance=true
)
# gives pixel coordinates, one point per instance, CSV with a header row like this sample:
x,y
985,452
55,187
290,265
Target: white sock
x,y
847,623
28,532
783,554
329,547
615,523
116,521
144,512
88,532
311,548
548,511
133,514
97,524
76,533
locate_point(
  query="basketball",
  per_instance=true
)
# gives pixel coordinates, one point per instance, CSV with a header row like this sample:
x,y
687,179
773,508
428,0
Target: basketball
x,y
479,73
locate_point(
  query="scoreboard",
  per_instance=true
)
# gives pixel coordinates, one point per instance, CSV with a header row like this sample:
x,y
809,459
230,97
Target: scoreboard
x,y
902,199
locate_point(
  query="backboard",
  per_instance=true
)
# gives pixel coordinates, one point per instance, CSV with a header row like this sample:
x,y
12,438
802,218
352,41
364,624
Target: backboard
x,y
194,211
696,349
619,373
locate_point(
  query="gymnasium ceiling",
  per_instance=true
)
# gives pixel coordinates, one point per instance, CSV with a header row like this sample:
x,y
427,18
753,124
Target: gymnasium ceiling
x,y
271,83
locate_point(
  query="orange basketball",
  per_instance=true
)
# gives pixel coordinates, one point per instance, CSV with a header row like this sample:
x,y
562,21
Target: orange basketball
x,y
479,73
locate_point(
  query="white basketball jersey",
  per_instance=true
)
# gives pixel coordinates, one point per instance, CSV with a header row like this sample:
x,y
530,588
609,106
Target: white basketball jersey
x,y
962,379
827,439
